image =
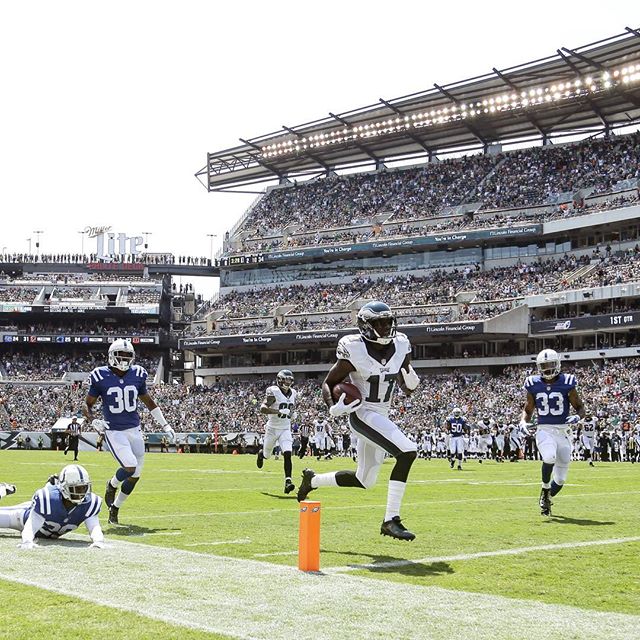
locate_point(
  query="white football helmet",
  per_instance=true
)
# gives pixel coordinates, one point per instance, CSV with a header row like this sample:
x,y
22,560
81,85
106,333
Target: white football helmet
x,y
74,483
548,363
121,354
457,412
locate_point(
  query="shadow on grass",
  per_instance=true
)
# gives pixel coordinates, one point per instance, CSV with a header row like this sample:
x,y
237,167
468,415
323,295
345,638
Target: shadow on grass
x,y
292,496
579,522
391,564
132,530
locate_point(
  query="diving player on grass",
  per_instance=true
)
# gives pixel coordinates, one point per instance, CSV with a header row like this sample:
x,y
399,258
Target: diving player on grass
x,y
552,394
62,505
120,385
375,359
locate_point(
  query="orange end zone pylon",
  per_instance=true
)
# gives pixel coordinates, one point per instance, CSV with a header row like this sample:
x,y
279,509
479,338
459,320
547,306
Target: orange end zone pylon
x,y
309,541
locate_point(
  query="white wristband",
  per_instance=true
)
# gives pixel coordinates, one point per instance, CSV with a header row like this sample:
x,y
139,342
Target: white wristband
x,y
156,414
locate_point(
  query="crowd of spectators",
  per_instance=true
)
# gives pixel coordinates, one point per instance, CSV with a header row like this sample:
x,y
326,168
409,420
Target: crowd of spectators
x,y
143,296
80,258
523,178
392,228
536,175
609,389
487,293
23,364
408,290
82,327
18,294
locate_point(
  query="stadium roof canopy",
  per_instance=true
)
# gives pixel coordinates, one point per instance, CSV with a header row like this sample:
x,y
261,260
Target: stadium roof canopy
x,y
584,91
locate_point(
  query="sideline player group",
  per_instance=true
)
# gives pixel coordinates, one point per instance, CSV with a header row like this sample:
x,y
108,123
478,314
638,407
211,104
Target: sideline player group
x,y
375,360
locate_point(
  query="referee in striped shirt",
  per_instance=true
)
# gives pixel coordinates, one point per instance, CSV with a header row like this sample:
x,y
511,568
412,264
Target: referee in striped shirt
x,y
304,440
73,437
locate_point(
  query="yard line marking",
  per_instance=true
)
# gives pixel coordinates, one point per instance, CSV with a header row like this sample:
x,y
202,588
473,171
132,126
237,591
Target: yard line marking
x,y
215,543
531,498
482,554
275,553
178,587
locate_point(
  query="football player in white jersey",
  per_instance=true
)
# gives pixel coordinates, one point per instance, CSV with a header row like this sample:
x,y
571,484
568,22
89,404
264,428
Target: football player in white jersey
x,y
587,435
374,360
323,434
278,404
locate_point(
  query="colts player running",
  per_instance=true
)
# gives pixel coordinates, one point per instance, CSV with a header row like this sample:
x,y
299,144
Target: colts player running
x,y
552,394
278,405
456,427
120,385
62,505
375,359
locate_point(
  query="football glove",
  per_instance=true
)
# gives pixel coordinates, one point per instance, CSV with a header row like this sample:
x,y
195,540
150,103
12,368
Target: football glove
x,y
28,545
284,413
99,425
342,409
526,425
98,545
170,433
573,419
410,377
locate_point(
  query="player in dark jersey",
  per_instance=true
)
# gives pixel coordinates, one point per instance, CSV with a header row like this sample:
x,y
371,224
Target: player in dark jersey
x,y
62,505
120,385
456,426
552,394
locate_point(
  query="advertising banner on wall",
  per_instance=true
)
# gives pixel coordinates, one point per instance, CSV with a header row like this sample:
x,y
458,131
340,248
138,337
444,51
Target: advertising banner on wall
x,y
322,338
607,322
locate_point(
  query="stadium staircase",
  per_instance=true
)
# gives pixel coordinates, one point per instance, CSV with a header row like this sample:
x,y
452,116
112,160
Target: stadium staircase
x,y
473,192
581,272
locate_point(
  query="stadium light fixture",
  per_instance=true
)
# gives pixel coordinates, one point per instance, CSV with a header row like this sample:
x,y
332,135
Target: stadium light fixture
x,y
561,91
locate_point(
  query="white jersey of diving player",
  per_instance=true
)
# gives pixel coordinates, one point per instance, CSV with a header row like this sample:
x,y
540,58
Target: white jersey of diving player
x,y
376,371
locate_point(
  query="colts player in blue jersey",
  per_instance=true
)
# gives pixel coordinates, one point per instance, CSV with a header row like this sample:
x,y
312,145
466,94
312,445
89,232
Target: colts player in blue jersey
x,y
456,427
62,505
552,394
120,385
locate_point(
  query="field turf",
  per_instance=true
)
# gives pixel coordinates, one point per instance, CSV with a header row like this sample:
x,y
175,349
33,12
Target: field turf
x,y
209,551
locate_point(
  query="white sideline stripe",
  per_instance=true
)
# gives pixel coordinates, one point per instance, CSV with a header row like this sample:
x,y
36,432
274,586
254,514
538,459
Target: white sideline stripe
x,y
423,503
483,554
275,553
178,587
215,543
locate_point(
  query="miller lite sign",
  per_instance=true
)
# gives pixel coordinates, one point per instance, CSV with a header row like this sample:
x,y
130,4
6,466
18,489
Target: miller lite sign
x,y
108,243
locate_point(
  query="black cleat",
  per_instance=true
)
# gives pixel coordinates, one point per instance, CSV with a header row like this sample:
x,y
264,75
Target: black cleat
x,y
288,486
109,494
395,529
113,515
591,463
545,503
260,459
459,467
305,487
452,463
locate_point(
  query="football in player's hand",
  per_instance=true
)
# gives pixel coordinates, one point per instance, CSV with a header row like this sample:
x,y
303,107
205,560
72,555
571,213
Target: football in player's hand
x,y
349,389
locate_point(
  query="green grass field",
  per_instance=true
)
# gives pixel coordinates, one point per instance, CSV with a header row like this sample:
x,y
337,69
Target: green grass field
x,y
210,552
